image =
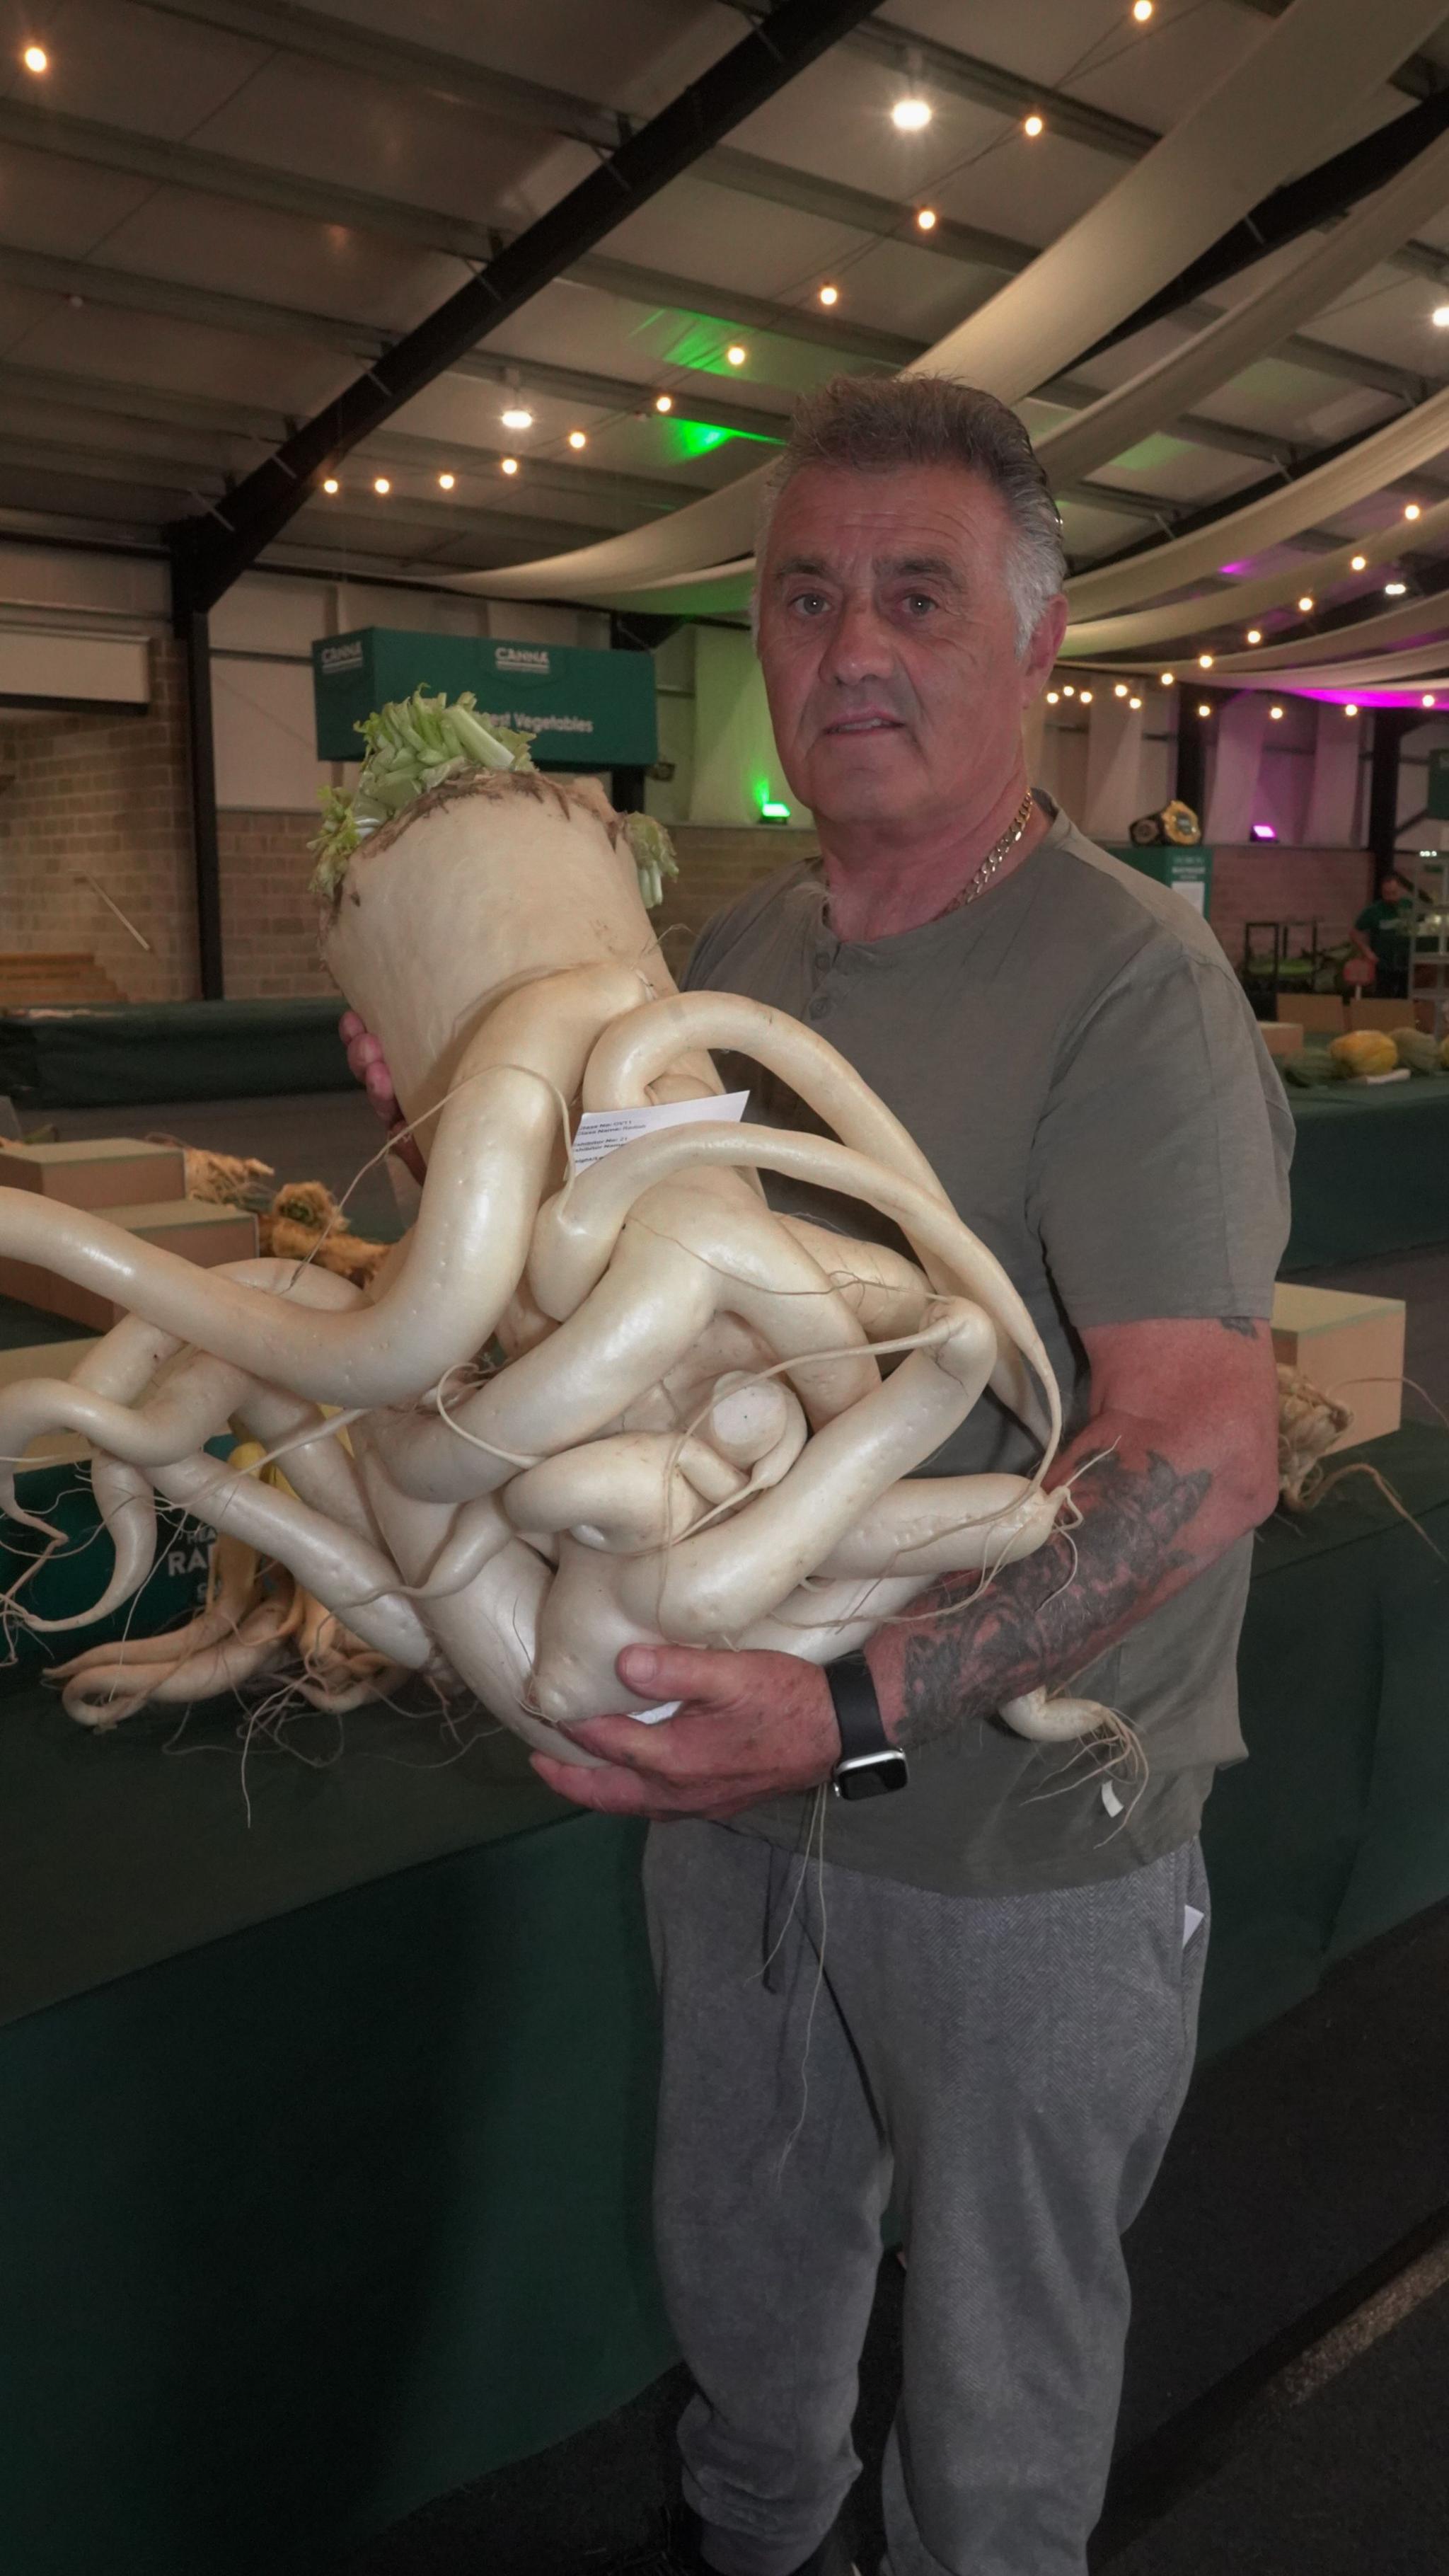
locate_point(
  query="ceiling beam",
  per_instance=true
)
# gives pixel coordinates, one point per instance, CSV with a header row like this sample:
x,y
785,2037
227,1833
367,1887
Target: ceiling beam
x,y
1418,77
753,72
321,38
182,165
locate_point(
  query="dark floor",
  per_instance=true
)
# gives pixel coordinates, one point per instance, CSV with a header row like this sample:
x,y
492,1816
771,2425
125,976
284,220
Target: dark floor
x,y
1302,2211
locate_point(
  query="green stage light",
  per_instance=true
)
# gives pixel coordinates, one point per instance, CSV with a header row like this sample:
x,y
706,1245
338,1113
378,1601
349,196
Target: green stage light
x,y
772,811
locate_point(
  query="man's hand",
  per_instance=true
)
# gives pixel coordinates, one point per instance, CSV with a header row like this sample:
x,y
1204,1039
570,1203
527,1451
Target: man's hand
x,y
369,1065
751,1726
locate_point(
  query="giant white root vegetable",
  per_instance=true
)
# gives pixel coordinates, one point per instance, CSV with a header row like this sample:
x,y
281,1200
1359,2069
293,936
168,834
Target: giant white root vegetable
x,y
583,1407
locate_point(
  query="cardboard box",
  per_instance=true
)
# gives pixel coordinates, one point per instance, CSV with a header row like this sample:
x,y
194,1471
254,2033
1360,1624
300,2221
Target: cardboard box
x,y
197,1229
1321,1011
1281,1037
109,1172
1350,1348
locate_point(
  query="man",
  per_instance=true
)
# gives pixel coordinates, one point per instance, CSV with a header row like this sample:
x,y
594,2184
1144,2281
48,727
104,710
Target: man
x,y
1382,933
976,1997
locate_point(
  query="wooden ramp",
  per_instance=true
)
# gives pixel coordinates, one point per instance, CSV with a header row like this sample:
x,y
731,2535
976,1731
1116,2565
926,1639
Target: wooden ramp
x,y
36,975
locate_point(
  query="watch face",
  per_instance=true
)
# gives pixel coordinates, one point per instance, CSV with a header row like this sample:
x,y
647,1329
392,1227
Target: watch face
x,y
871,1775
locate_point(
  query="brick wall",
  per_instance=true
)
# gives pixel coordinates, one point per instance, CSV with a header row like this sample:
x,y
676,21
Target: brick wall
x,y
103,795
269,921
717,864
1267,881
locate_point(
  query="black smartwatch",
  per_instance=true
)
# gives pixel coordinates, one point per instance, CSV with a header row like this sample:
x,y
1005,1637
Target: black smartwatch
x,y
870,1766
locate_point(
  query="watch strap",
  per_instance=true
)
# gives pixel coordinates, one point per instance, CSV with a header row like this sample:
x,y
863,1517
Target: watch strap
x,y
857,1709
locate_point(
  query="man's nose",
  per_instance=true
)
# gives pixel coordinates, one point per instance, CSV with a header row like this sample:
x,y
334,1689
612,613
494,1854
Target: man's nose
x,y
859,648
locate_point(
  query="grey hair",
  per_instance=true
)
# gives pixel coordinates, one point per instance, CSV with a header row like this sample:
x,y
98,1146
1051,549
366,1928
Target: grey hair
x,y
875,424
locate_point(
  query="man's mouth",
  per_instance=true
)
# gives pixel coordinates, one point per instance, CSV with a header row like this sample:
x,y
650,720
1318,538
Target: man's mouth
x,y
865,724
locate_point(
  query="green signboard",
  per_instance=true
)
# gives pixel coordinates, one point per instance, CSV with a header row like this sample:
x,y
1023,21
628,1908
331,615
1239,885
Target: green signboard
x,y
586,710
1436,802
1188,872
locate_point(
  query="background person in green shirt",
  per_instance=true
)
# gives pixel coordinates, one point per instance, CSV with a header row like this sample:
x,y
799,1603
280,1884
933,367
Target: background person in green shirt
x,y
1382,933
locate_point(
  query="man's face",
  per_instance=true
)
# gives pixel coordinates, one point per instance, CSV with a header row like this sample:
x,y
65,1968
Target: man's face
x,y
888,643
1393,889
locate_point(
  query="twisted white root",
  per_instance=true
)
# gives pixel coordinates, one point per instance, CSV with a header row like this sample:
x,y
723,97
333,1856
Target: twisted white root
x,y
707,1420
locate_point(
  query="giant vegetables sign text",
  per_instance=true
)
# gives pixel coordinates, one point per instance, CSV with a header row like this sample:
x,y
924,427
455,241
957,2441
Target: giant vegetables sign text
x,y
582,710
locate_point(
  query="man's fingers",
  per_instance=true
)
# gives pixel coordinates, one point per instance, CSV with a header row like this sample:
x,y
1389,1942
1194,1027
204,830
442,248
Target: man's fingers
x,y
610,1793
679,1672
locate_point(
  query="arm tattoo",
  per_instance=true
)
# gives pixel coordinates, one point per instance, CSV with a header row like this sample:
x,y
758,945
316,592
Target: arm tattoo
x,y
1048,1615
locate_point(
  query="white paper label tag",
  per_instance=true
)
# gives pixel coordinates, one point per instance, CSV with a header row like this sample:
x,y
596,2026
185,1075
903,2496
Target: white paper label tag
x,y
657,1716
1192,1916
1110,1799
601,1131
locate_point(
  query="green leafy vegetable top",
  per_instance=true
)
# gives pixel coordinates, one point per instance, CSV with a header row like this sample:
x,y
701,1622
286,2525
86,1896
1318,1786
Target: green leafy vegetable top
x,y
415,744
412,745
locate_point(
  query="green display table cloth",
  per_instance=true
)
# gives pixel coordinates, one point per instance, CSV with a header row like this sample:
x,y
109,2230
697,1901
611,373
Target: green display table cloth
x,y
326,2079
90,1057
1370,1171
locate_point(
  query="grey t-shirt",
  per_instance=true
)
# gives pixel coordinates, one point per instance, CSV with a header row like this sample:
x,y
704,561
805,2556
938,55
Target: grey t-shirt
x,y
1074,1054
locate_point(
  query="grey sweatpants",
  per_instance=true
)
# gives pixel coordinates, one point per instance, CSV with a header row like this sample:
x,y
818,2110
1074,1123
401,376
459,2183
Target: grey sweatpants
x,y
1008,2071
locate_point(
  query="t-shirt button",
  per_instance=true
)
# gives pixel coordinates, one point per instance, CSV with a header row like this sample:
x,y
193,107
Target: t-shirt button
x,y
822,958
817,1009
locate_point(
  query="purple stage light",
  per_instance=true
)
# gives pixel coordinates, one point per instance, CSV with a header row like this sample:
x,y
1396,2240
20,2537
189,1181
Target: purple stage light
x,y
1264,832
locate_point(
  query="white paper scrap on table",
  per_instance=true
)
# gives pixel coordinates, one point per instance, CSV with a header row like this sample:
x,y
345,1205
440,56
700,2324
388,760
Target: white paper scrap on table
x,y
1192,1916
1110,1799
601,1131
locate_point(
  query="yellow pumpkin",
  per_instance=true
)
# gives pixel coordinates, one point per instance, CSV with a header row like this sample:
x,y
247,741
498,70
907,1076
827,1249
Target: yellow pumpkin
x,y
1365,1051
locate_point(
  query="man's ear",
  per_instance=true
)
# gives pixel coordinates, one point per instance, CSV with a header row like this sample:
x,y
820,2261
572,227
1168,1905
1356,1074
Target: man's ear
x,y
1039,659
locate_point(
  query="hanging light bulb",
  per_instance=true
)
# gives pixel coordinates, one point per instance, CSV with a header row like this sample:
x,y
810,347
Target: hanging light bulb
x,y
1428,698
1254,635
381,486
1350,711
36,59
1204,711
911,114
736,354
1120,691
1052,696
1358,563
517,416
1277,714
1395,589
1305,605
446,482
1167,679
1141,11
926,219
1085,699
1440,317
331,484
1204,661
830,295
1412,510
508,465
1134,702
1067,689
1033,125
577,438
664,402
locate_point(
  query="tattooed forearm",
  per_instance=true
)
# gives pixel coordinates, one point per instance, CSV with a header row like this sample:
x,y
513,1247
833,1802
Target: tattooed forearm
x,y
1044,1618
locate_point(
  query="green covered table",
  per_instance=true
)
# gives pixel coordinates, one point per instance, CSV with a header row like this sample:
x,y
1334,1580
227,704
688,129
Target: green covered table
x,y
326,2084
88,1056
1370,1171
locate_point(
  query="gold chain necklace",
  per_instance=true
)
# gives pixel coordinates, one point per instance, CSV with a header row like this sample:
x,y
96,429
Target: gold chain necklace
x,y
999,851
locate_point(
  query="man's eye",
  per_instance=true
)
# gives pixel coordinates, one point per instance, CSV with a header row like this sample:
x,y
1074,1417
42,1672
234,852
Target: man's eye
x,y
919,602
810,601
